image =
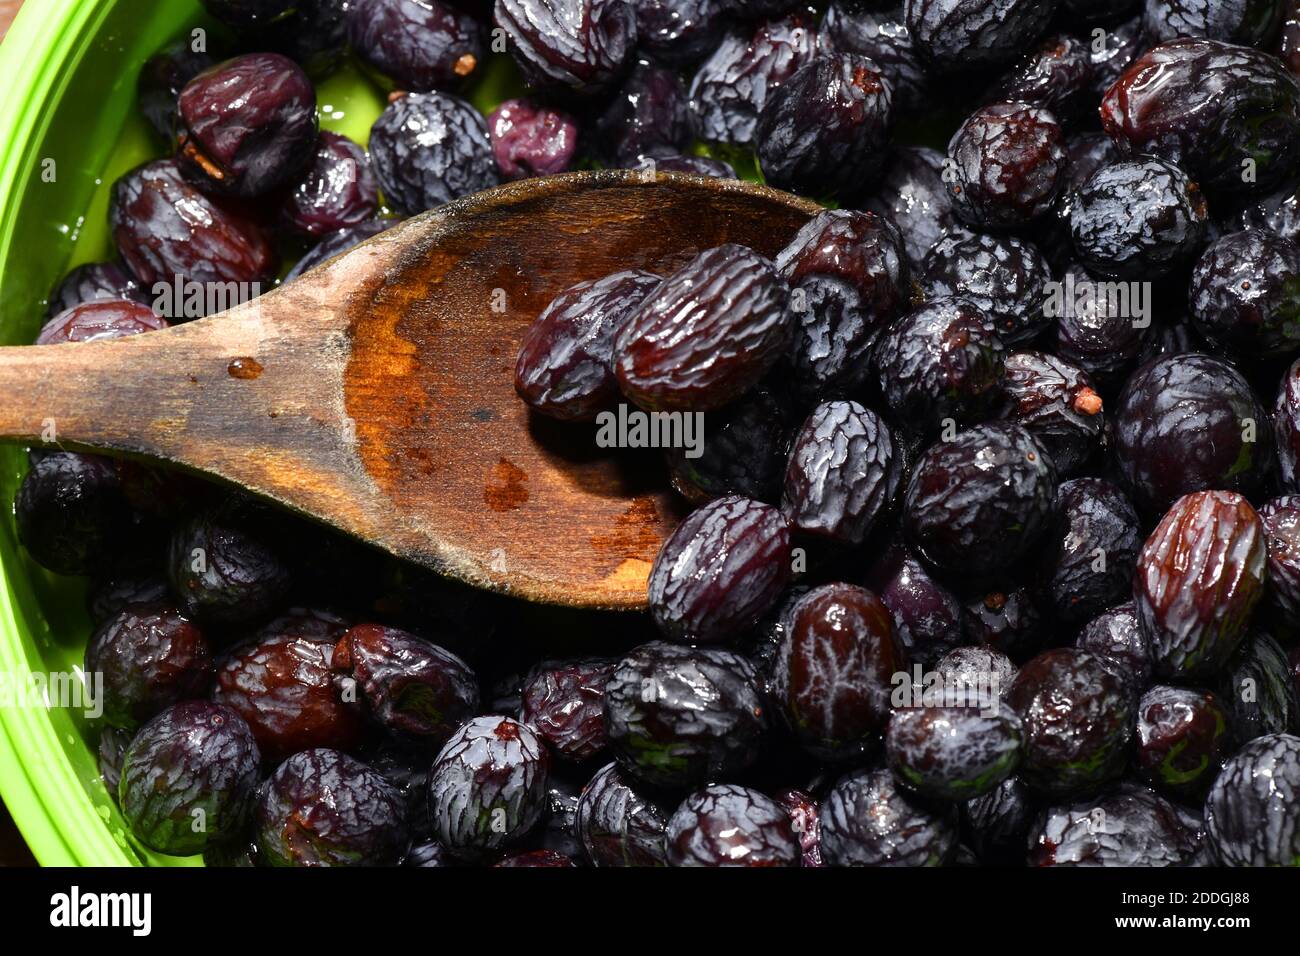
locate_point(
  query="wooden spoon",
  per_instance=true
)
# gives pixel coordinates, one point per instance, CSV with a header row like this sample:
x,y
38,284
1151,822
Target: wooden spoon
x,y
376,392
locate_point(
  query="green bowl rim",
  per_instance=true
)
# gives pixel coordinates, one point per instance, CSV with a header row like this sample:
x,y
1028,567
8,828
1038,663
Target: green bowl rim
x,y
41,788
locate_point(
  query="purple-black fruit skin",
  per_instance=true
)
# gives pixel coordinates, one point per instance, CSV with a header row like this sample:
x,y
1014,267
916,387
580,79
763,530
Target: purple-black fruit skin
x,y
323,808
729,825
247,126
195,761
705,718
720,570
488,786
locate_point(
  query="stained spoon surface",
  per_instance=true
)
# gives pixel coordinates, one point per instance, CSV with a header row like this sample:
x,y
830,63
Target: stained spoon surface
x,y
375,393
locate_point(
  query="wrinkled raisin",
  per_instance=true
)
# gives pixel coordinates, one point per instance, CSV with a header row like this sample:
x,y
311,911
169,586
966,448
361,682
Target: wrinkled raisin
x,y
1199,576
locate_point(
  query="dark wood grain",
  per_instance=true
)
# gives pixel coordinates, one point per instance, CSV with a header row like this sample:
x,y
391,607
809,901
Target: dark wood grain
x,y
385,405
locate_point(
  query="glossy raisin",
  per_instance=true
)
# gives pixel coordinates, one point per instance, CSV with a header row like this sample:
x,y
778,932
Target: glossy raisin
x,y
727,825
1007,162
1004,277
1056,75
707,334
834,670
1245,294
1199,576
862,249
417,45
188,777
488,786
868,820
73,514
824,131
246,126
1182,739
415,689
1100,327
537,858
430,148
429,854
1286,426
100,319
953,753
1055,402
565,364
1257,690
1137,219
647,114
980,503
323,808
165,228
281,684
976,666
927,616
720,570
407,769
743,452
881,35
246,15
678,716
733,85
913,195
575,45
564,701
336,191
531,140
844,473
1132,827
1118,638
1210,107
941,362
619,825
1189,422
679,32
558,831
1252,815
954,36
1172,338
148,657
1086,153
226,565
1078,721
1093,549
109,754
762,643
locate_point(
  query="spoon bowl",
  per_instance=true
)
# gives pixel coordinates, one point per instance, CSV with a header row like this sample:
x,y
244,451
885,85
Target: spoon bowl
x,y
376,392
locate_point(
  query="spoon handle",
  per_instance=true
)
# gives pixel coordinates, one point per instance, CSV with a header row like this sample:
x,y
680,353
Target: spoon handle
x,y
90,395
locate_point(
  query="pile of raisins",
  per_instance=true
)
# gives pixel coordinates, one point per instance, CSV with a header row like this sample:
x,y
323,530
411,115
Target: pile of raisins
x,y
995,556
